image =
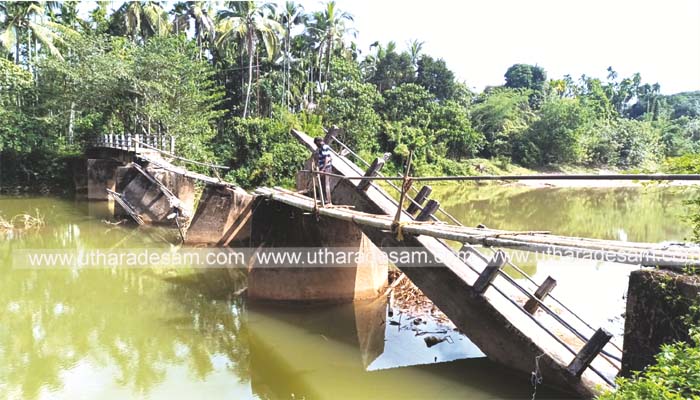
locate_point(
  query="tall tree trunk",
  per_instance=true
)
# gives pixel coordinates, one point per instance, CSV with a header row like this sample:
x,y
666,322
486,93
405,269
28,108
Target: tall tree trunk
x,y
285,95
250,71
71,120
17,49
329,50
320,65
29,50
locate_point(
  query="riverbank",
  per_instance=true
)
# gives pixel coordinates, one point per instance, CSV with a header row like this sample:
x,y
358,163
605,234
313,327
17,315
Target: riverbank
x,y
496,167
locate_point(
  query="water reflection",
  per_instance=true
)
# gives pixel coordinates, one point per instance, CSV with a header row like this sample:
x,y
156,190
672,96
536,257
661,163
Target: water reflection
x,y
162,333
645,214
182,334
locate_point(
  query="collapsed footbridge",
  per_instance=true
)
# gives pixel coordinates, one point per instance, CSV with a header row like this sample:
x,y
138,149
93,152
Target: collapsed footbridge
x,y
519,323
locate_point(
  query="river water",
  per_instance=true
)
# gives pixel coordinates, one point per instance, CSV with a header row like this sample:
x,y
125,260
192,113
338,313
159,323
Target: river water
x,y
170,334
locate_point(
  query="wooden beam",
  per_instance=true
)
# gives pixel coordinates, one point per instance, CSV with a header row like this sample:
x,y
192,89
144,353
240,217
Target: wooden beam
x,y
532,305
373,170
428,210
423,194
490,272
589,352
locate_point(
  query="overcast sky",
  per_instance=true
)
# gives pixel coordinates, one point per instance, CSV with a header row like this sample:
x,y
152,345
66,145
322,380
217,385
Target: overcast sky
x,y
479,40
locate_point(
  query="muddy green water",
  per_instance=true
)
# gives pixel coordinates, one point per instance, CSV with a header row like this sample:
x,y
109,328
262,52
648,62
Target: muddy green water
x,y
163,334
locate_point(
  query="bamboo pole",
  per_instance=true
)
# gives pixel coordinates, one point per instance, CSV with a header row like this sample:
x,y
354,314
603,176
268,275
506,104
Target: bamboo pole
x,y
618,254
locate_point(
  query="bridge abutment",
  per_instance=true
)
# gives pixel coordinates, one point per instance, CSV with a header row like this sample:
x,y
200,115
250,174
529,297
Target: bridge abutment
x,y
660,305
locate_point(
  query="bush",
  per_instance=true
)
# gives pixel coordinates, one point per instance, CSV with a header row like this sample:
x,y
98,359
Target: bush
x,y
676,375
259,151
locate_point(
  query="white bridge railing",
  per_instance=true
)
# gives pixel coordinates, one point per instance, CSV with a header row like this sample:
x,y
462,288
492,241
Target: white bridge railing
x,y
136,142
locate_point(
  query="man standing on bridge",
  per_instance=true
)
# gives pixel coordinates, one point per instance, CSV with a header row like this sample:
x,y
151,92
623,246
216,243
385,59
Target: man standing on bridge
x,y
322,156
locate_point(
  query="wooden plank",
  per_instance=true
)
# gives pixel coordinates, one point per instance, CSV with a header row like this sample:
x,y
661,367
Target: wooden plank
x,y
428,210
524,241
490,272
543,290
589,352
373,170
423,194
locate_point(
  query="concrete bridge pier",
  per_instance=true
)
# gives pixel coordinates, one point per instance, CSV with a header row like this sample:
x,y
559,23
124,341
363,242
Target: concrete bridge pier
x,y
321,279
101,175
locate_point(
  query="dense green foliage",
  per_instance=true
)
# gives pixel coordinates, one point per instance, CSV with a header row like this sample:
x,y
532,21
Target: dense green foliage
x,y
676,375
229,81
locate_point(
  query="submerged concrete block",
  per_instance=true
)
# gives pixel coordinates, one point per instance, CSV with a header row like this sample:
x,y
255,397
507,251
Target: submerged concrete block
x,y
280,226
100,176
222,216
147,198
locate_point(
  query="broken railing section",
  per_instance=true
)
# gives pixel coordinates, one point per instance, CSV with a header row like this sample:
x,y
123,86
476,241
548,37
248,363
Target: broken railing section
x,y
125,206
590,350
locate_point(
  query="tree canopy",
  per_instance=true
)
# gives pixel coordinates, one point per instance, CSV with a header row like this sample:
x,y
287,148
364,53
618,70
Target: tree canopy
x,y
230,79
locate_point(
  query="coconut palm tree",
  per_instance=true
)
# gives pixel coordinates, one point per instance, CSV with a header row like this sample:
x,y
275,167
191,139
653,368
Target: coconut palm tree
x,y
141,18
28,19
249,22
414,49
293,14
200,12
333,21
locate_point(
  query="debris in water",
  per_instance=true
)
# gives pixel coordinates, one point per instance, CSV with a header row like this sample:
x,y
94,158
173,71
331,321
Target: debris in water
x,y
22,222
405,297
431,341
